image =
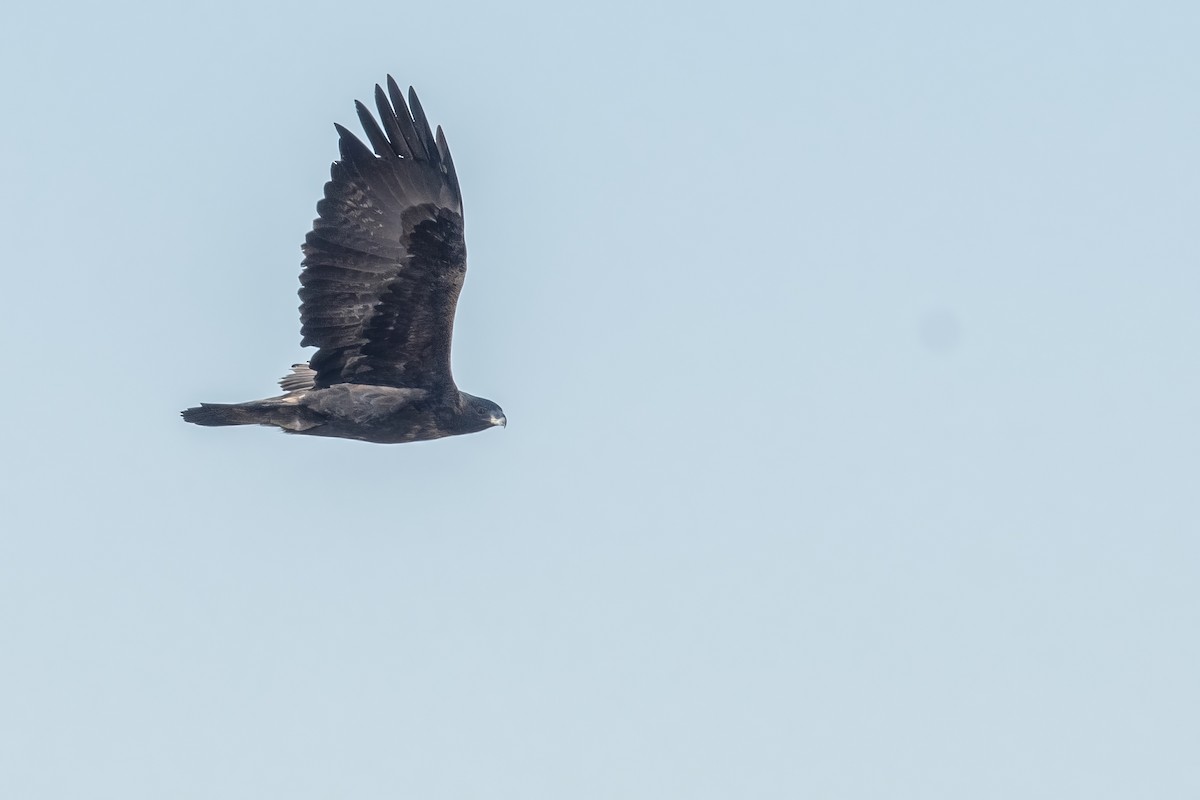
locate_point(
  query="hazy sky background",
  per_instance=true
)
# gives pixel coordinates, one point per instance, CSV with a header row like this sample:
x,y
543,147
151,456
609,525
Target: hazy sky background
x,y
849,353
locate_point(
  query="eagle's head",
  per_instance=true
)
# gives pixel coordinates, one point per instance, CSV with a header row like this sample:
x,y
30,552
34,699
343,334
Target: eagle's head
x,y
482,413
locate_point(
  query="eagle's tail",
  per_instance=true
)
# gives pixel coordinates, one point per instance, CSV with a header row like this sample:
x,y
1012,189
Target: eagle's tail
x,y
282,412
216,414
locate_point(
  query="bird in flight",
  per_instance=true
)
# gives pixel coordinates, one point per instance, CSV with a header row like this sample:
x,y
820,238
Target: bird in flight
x,y
382,270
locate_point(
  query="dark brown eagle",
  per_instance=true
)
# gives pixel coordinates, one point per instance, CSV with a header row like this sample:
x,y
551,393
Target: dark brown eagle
x,y
382,270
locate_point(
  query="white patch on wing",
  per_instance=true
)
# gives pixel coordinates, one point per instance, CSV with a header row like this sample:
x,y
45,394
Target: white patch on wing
x,y
302,377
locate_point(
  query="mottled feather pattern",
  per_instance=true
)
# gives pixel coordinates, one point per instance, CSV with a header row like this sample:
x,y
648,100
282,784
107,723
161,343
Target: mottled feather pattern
x,y
416,314
374,311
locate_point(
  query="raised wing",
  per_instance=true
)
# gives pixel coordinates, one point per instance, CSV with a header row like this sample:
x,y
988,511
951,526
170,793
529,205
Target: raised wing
x,y
385,261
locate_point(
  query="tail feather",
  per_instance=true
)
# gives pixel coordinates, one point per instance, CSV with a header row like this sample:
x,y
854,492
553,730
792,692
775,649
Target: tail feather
x,y
216,414
282,412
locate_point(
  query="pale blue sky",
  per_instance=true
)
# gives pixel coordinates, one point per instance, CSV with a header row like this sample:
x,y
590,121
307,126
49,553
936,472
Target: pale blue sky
x,y
850,358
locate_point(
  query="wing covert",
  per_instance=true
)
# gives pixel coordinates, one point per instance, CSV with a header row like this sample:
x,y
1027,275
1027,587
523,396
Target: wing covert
x,y
386,258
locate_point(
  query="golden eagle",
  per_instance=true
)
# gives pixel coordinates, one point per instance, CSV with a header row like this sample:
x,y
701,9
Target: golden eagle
x,y
382,270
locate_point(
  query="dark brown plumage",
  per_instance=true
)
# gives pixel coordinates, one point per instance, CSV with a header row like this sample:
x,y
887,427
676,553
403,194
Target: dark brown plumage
x,y
383,268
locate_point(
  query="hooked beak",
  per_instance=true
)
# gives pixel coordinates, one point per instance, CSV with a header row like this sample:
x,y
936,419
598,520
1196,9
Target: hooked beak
x,y
501,420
